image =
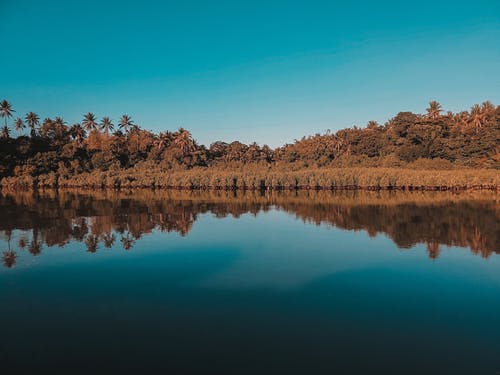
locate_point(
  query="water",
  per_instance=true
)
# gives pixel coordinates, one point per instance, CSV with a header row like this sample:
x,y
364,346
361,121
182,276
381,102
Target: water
x,y
307,283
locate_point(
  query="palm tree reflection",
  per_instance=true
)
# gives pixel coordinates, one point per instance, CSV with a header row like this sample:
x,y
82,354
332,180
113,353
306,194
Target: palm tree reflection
x,y
92,242
92,218
127,241
22,242
9,256
433,250
108,240
35,248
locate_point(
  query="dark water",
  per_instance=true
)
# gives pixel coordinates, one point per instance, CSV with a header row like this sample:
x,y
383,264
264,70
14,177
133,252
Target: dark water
x,y
309,283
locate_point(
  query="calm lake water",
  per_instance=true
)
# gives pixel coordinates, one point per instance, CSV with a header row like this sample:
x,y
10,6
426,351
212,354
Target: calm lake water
x,y
306,283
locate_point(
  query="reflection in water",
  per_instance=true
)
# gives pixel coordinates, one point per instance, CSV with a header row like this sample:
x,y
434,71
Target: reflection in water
x,y
102,219
9,256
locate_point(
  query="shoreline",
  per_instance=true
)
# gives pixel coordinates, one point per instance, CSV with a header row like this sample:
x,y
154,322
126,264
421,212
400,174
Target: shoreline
x,y
257,189
333,179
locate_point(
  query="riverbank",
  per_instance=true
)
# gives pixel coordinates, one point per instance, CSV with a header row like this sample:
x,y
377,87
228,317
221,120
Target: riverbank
x,y
307,179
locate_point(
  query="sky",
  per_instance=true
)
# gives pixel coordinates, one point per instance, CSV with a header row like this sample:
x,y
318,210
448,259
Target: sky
x,y
264,71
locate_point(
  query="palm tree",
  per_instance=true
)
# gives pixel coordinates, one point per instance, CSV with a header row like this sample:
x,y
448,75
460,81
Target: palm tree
x,y
77,133
434,110
184,141
59,123
134,128
488,110
487,107
477,116
19,124
60,131
32,120
163,139
47,122
47,128
5,133
125,123
89,122
107,125
5,110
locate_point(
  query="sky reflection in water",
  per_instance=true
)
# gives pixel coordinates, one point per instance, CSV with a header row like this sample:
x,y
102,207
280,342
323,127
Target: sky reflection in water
x,y
405,282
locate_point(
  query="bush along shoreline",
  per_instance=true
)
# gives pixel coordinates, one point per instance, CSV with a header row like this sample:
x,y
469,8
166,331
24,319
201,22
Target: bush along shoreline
x,y
317,179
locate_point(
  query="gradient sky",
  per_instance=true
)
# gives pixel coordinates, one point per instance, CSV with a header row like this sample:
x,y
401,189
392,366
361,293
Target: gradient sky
x,y
265,71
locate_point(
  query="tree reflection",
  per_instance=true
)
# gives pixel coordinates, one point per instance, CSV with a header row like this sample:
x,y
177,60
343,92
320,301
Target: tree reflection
x,y
433,250
127,241
92,242
436,220
35,248
9,256
108,240
21,242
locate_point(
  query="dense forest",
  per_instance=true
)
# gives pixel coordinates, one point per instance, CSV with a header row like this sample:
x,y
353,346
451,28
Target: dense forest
x,y
107,219
102,152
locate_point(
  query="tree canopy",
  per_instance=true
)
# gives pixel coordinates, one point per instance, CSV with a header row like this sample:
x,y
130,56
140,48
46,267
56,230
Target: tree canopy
x,y
436,139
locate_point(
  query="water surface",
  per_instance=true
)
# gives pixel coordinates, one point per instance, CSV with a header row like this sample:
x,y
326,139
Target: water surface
x,y
310,282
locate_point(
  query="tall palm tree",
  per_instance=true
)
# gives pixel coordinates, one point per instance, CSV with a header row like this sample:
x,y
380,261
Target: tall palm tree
x,y
488,110
47,127
487,107
89,122
59,123
32,120
60,131
163,140
434,110
19,124
184,140
125,123
134,128
477,116
107,125
6,110
47,121
77,133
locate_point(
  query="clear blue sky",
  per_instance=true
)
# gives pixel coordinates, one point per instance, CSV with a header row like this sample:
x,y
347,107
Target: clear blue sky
x,y
268,71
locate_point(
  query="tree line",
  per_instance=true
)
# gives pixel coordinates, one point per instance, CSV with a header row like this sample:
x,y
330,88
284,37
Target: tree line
x,y
433,140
